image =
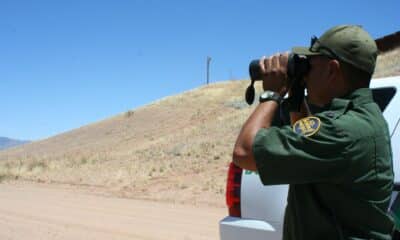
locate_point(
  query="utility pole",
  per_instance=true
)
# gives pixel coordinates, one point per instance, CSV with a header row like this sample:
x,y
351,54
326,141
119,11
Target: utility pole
x,y
208,69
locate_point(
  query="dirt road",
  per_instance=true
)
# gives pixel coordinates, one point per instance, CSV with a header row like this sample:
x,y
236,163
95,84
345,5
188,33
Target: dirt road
x,y
35,211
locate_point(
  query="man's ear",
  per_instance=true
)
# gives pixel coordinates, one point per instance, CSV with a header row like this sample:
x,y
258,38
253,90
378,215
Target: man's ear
x,y
334,70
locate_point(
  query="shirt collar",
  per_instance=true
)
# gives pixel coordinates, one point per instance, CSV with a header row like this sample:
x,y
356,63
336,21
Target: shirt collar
x,y
356,98
360,96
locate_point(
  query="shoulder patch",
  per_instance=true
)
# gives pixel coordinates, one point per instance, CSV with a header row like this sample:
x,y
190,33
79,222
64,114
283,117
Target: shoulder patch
x,y
307,126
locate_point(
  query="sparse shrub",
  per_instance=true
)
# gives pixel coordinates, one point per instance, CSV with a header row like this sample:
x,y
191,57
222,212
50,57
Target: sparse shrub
x,y
2,177
84,160
36,166
94,160
129,113
237,104
178,149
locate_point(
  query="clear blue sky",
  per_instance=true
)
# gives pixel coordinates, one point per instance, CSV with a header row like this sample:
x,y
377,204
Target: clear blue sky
x,y
65,64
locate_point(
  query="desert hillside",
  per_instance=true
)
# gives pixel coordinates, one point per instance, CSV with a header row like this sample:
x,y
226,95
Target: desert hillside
x,y
176,149
388,64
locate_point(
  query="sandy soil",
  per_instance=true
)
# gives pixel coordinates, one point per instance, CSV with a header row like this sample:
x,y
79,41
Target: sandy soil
x,y
41,211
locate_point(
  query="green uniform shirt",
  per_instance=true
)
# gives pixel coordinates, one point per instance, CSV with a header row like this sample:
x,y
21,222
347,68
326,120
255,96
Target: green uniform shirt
x,y
340,176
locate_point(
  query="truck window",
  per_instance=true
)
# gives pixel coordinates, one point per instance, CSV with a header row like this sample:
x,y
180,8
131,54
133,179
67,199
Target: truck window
x,y
383,96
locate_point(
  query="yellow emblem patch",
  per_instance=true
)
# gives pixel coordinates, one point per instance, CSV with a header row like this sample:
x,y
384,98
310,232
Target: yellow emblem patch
x,y
307,126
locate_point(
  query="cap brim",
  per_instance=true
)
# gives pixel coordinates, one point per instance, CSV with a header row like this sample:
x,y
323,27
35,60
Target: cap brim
x,y
304,51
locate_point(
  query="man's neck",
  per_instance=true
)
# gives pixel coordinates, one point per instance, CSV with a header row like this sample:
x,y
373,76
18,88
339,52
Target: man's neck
x,y
319,101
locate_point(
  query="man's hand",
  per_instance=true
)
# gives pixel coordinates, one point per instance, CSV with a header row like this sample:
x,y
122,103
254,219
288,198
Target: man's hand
x,y
274,70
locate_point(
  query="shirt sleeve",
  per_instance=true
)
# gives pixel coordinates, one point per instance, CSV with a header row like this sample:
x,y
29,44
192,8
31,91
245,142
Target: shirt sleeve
x,y
284,157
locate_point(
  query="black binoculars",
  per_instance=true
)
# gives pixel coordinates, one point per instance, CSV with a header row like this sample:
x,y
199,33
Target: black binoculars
x,y
297,67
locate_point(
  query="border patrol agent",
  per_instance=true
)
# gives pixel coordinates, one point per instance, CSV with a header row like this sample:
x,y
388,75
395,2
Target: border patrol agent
x,y
338,161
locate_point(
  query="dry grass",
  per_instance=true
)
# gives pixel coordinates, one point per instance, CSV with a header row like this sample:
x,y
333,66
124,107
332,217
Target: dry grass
x,y
176,149
388,64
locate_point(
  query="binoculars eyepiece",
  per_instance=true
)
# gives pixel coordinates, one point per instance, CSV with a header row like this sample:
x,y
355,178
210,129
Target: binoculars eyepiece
x,y
297,67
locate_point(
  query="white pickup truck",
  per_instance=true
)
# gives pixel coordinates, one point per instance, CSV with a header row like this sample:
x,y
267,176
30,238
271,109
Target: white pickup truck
x,y
256,211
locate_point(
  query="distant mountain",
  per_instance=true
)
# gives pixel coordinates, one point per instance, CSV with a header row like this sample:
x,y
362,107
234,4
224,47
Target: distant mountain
x,y
8,142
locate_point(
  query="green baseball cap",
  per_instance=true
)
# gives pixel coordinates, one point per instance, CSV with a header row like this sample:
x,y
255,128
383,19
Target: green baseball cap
x,y
347,43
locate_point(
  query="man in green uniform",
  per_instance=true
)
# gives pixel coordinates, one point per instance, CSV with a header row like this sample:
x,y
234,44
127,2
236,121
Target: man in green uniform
x,y
337,161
